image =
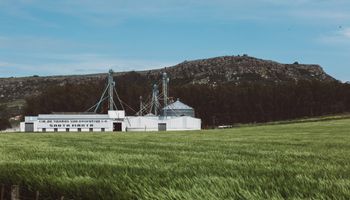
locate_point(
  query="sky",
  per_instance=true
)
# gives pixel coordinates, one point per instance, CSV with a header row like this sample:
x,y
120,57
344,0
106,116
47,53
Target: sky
x,y
42,37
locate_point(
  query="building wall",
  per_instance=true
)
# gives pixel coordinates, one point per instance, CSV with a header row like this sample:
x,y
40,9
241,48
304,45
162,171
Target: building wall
x,y
140,123
73,125
183,123
145,123
22,126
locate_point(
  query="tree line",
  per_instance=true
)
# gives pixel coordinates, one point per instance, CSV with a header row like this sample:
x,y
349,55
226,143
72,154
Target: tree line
x,y
4,118
222,104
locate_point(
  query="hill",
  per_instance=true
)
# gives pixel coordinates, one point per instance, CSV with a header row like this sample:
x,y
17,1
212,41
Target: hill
x,y
239,69
227,69
250,90
292,161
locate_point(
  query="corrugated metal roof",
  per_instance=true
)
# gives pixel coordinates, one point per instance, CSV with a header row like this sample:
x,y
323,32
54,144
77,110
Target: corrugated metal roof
x,y
177,105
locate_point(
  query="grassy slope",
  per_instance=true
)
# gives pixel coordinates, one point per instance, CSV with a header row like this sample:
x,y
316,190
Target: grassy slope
x,y
306,160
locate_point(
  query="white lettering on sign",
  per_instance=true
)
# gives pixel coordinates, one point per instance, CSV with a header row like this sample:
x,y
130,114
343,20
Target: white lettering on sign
x,y
71,125
63,123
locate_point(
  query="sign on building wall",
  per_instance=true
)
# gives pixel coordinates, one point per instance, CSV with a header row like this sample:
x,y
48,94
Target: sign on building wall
x,y
48,124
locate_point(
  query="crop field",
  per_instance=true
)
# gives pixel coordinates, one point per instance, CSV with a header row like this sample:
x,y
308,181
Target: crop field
x,y
290,161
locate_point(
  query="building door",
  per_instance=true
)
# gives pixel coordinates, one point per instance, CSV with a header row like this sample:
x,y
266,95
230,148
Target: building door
x,y
162,127
29,127
117,126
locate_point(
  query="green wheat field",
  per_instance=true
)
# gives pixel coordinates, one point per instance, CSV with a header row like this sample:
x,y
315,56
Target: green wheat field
x,y
309,160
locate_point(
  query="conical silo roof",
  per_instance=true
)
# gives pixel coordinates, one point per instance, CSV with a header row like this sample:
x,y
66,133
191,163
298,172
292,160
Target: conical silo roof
x,y
178,105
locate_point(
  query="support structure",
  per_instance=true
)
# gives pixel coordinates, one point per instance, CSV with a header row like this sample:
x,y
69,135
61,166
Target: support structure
x,y
110,88
155,101
111,85
165,88
141,107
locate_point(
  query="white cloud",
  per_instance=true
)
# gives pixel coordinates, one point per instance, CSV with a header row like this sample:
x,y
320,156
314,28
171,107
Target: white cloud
x,y
44,55
340,37
77,64
346,33
4,64
320,15
33,43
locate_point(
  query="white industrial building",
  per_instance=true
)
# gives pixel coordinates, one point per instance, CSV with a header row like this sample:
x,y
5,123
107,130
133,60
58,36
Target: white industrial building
x,y
175,116
114,120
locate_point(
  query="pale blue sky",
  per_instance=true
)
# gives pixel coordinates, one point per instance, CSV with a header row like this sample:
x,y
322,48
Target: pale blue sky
x,y
89,36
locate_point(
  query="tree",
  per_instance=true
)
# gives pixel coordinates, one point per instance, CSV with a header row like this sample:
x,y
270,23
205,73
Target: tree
x,y
4,118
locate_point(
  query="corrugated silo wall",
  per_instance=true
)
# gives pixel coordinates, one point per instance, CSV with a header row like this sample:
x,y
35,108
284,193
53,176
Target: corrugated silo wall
x,y
178,112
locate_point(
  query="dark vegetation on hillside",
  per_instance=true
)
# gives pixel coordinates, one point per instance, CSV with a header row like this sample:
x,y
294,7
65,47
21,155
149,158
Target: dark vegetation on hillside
x,y
214,104
4,118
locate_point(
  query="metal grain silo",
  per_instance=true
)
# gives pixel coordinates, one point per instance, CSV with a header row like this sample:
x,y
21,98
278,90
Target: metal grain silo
x,y
177,109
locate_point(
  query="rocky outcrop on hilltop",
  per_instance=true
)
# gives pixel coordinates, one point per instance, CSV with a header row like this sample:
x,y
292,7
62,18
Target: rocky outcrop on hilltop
x,y
226,69
238,69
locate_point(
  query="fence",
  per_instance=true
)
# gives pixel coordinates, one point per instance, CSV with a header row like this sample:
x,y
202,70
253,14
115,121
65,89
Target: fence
x,y
13,192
